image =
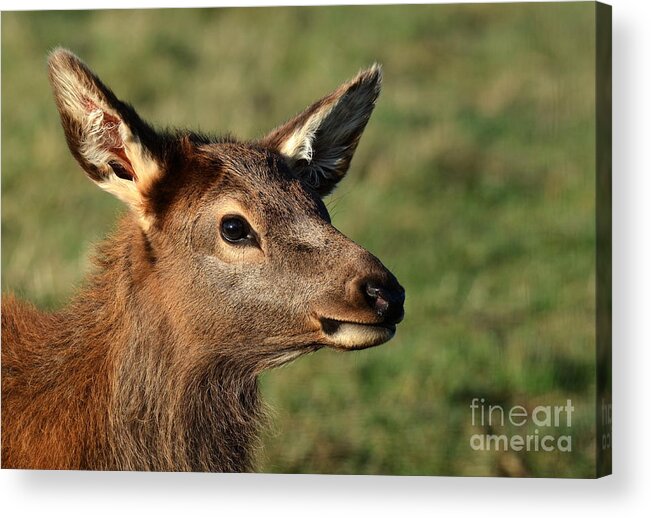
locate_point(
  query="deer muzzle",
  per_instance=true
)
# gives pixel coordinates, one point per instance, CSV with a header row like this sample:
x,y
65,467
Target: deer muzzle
x,y
375,307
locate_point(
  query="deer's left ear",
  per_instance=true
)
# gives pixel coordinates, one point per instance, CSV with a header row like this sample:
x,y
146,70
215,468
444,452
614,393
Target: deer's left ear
x,y
320,142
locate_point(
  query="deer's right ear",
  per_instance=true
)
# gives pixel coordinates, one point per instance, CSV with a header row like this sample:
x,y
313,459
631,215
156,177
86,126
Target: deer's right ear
x,y
106,136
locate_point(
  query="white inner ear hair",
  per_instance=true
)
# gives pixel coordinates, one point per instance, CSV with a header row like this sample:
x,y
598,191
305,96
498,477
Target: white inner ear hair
x,y
336,125
99,124
101,137
299,147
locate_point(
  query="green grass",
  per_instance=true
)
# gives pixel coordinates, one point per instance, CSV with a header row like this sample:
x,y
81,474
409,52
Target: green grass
x,y
474,183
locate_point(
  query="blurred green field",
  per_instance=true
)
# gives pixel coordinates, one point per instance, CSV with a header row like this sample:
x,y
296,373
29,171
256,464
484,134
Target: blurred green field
x,y
474,183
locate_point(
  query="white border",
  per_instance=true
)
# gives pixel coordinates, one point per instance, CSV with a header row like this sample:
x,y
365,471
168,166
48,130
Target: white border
x,y
623,494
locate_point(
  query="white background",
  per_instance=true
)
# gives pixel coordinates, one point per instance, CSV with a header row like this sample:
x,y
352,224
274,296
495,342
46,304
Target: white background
x,y
626,493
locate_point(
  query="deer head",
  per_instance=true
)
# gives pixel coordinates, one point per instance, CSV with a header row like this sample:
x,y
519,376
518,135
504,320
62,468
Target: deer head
x,y
235,243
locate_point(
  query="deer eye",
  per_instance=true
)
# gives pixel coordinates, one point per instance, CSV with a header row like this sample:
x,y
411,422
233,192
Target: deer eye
x,y
235,229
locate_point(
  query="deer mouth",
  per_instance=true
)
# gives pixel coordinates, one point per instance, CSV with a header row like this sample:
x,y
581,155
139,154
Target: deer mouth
x,y
348,335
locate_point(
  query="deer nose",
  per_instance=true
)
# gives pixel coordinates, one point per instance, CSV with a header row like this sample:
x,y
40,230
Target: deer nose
x,y
387,301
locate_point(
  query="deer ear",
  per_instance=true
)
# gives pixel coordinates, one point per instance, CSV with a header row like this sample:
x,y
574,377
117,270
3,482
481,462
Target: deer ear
x,y
106,136
320,142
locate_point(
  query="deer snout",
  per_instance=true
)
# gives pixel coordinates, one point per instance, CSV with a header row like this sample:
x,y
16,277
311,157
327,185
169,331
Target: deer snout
x,y
374,306
380,294
386,300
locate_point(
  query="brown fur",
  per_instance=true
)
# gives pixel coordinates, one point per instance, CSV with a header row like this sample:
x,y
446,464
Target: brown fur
x,y
154,365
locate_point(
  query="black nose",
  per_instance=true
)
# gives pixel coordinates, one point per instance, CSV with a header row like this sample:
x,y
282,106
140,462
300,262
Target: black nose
x,y
387,301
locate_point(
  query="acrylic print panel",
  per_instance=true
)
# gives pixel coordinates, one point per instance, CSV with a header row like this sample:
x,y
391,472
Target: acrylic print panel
x,y
481,182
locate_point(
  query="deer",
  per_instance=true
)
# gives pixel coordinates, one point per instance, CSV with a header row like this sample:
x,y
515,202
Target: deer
x,y
225,264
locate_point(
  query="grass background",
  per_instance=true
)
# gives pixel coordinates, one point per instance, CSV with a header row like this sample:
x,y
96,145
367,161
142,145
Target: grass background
x,y
474,183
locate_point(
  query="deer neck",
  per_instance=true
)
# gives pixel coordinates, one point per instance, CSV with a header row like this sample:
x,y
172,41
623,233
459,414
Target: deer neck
x,y
174,406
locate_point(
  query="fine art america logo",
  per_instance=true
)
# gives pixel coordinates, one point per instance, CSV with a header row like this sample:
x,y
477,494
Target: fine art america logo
x,y
535,430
